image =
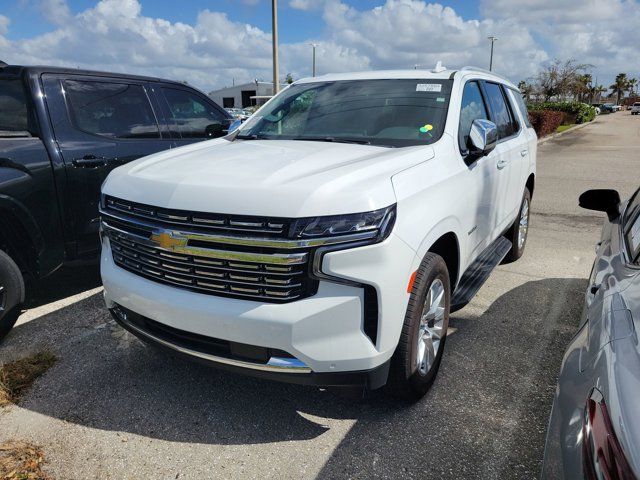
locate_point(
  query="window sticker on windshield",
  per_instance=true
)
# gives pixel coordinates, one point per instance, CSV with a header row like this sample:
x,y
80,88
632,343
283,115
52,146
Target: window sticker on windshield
x,y
429,87
426,129
440,99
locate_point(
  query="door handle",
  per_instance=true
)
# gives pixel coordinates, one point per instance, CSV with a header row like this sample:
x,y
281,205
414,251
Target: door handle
x,y
501,163
523,153
89,161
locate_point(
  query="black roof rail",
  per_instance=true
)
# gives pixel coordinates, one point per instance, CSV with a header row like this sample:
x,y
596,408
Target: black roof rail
x,y
3,64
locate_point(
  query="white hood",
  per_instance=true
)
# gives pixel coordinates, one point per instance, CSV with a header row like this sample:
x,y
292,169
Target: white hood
x,y
266,177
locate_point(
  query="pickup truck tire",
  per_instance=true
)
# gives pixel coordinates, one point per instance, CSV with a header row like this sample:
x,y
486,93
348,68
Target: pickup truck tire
x,y
11,293
417,358
519,231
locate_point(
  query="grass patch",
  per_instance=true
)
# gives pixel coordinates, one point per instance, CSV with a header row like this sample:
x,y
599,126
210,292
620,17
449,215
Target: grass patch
x,y
562,128
16,377
21,461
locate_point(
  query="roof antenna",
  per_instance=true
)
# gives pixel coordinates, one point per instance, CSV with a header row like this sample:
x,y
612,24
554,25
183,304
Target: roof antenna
x,y
438,68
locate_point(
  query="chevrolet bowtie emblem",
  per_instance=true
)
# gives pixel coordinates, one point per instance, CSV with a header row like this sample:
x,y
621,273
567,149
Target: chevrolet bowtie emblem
x,y
168,240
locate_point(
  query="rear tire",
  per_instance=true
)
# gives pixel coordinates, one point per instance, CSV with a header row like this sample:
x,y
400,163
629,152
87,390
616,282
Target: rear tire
x,y
519,231
417,358
11,293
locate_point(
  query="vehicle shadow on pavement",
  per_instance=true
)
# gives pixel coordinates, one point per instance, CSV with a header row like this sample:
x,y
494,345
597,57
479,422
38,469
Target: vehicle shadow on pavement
x,y
63,283
485,415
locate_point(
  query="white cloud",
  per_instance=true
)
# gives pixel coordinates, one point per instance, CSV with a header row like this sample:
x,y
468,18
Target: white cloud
x,y
115,35
4,25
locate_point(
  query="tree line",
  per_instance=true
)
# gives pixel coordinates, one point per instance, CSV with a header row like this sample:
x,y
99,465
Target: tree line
x,y
568,79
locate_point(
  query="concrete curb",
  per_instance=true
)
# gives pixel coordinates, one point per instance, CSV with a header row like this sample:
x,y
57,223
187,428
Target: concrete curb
x,y
556,135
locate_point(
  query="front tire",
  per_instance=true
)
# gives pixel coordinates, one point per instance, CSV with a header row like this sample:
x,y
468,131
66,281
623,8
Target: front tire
x,y
519,231
417,358
11,293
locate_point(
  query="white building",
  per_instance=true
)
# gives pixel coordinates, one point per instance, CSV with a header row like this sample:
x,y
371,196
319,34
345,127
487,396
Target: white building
x,y
242,96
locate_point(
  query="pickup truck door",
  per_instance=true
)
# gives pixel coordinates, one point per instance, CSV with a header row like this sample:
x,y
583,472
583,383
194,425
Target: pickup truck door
x,y
99,123
190,115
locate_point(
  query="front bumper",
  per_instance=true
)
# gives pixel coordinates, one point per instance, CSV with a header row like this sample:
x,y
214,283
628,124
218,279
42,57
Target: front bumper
x,y
324,333
236,359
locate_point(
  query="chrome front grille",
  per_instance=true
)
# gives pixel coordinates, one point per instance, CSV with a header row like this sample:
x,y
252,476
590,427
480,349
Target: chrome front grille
x,y
199,221
211,260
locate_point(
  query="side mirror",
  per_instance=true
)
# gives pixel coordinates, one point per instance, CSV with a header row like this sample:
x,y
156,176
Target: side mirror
x,y
483,138
601,200
214,130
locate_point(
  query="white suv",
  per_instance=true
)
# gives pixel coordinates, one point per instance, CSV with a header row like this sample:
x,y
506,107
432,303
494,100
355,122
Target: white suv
x,y
327,240
635,108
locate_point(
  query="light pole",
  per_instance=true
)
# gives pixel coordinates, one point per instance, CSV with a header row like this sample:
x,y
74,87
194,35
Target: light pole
x,y
313,69
493,40
274,37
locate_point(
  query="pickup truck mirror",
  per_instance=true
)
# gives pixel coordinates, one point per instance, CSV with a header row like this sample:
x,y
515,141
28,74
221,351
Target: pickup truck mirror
x,y
214,130
601,200
483,137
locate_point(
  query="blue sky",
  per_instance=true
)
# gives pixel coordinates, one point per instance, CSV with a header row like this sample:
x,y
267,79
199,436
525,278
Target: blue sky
x,y
27,19
214,43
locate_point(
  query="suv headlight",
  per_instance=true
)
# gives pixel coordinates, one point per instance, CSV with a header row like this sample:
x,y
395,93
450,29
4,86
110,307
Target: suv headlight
x,y
375,225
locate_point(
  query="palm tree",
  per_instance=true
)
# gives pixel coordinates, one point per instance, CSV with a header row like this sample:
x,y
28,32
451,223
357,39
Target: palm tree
x,y
620,86
582,86
633,83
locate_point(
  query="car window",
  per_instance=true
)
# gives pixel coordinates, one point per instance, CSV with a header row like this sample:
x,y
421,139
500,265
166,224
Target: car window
x,y
517,97
192,116
500,114
13,106
116,110
633,238
472,109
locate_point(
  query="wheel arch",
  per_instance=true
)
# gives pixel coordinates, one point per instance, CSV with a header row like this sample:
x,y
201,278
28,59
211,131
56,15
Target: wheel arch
x,y
531,181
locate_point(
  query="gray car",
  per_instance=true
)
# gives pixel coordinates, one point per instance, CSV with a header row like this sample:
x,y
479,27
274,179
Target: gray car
x,y
594,429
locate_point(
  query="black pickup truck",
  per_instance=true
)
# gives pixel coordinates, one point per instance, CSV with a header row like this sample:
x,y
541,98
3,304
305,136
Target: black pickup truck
x,y
61,132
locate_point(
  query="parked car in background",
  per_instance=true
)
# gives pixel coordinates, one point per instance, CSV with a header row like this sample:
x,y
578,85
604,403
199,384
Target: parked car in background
x,y
635,108
238,113
328,239
61,132
594,430
608,108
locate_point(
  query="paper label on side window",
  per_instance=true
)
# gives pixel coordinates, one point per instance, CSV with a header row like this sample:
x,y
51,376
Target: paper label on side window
x,y
429,87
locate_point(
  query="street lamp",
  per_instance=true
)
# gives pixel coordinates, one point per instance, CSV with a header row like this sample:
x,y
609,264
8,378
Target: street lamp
x,y
313,70
493,40
274,37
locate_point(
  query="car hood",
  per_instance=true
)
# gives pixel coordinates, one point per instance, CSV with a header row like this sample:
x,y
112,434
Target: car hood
x,y
266,177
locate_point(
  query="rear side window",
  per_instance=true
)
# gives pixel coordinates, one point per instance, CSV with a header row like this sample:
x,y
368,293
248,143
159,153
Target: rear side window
x,y
191,115
14,115
500,113
472,109
517,96
116,110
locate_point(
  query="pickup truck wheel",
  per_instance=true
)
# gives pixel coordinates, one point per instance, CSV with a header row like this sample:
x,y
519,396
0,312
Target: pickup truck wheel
x,y
417,358
519,231
11,293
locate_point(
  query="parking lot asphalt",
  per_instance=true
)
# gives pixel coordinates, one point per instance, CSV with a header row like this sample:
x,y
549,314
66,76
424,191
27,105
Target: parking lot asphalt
x,y
113,408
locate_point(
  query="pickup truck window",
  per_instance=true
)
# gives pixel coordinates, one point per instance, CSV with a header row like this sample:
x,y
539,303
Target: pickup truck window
x,y
116,110
398,112
191,115
13,106
472,109
500,111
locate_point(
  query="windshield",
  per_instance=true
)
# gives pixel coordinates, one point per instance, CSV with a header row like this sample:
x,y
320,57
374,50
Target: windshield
x,y
396,113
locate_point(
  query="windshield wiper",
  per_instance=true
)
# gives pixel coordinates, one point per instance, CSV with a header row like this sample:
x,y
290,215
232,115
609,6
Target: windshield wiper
x,y
334,139
253,136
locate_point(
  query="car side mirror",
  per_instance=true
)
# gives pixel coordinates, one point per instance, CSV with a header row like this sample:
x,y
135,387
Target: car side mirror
x,y
601,200
214,130
483,138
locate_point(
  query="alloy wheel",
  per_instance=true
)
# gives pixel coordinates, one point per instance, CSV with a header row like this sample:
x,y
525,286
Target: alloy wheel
x,y
431,327
523,225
